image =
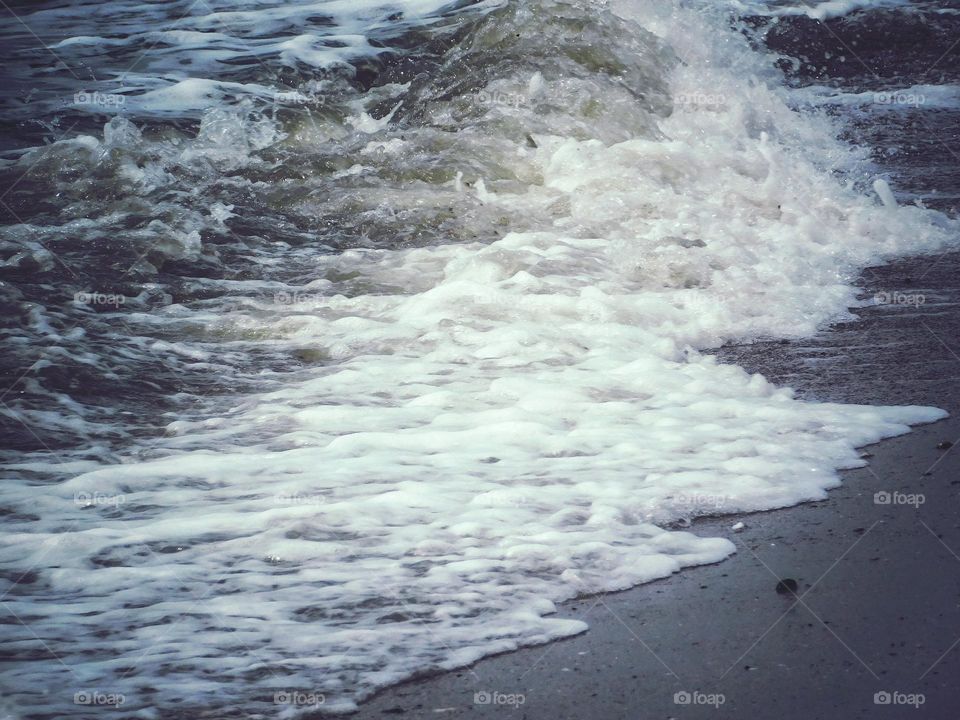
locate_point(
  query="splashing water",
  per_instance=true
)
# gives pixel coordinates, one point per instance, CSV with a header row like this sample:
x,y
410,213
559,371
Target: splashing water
x,y
426,344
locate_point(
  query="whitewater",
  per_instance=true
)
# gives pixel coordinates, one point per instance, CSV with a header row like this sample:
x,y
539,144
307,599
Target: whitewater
x,y
442,312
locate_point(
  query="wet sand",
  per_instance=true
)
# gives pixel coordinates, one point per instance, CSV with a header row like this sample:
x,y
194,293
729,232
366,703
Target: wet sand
x,y
877,607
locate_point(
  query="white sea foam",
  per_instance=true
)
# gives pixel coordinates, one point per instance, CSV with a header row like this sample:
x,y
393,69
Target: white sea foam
x,y
826,9
494,427
886,99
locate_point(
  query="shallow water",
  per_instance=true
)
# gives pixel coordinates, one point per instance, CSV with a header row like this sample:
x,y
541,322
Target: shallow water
x,y
344,339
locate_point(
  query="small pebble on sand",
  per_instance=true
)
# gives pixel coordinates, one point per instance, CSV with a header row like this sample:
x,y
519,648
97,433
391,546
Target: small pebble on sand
x,y
787,586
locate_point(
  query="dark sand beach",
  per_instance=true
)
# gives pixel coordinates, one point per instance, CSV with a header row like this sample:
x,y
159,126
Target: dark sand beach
x,y
877,609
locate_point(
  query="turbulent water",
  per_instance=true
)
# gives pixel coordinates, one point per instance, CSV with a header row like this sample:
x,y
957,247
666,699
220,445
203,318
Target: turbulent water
x,y
342,340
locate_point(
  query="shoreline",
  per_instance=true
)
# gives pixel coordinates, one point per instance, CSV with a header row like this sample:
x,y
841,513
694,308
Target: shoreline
x,y
877,608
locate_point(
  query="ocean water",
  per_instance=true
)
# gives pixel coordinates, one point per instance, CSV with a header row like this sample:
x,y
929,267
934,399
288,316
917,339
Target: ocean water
x,y
343,340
